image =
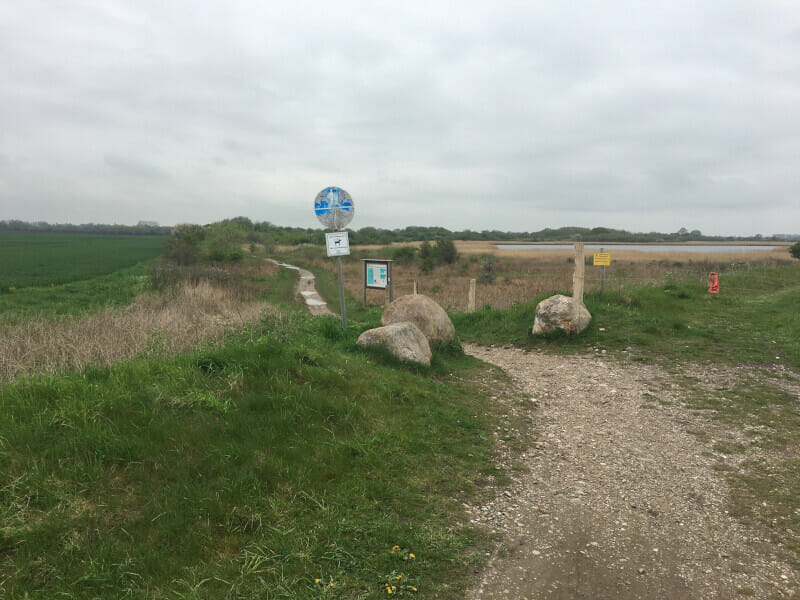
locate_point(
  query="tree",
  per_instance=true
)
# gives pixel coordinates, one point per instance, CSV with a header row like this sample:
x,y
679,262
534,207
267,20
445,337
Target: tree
x,y
794,250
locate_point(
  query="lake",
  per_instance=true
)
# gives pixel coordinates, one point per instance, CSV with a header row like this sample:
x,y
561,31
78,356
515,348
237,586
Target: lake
x,y
643,247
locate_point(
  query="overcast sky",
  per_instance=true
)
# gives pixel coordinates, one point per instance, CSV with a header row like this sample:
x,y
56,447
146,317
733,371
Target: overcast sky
x,y
504,115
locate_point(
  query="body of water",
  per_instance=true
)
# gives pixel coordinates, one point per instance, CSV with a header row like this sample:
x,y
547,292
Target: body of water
x,y
642,247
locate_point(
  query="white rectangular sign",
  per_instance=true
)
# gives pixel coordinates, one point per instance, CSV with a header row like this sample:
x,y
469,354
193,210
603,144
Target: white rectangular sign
x,y
338,243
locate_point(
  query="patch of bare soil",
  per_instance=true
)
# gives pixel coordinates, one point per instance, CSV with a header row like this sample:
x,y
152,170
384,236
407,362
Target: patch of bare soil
x,y
617,499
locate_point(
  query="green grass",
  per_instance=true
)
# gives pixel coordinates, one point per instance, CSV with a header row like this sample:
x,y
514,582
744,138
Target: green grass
x,y
50,259
78,297
755,318
281,290
249,470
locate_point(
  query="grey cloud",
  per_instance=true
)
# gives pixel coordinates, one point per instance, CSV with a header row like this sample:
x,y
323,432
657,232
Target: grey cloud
x,y
588,110
134,168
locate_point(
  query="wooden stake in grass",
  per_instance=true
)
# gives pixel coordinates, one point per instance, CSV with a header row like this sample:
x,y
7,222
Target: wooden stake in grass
x,y
471,297
577,277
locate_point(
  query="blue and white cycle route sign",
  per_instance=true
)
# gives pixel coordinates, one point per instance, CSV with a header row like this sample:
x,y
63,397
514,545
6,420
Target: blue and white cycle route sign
x,y
334,208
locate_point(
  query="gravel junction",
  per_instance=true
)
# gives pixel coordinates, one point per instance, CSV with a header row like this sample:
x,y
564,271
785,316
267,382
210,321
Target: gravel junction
x,y
616,497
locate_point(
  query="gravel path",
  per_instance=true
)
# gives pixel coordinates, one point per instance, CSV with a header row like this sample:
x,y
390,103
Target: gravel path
x,y
617,498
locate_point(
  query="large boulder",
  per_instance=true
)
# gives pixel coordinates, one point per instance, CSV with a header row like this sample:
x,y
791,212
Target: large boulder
x,y
561,312
404,340
424,313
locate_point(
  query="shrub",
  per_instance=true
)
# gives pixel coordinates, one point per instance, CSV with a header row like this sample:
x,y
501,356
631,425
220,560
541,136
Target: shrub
x,y
404,255
183,247
446,251
488,264
795,250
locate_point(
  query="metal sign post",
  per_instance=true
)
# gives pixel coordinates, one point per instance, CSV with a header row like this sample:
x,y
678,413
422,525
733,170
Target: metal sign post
x,y
602,259
335,209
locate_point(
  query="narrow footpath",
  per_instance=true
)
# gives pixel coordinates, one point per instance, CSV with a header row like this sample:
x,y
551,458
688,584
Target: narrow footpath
x,y
617,498
305,289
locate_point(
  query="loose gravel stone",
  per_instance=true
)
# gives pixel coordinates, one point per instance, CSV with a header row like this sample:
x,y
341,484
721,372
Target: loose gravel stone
x,y
617,499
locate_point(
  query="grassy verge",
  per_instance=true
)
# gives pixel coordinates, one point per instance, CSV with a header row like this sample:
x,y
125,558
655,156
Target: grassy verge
x,y
283,464
744,323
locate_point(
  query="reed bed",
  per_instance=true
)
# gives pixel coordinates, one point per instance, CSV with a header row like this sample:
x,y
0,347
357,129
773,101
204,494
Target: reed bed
x,y
518,277
188,316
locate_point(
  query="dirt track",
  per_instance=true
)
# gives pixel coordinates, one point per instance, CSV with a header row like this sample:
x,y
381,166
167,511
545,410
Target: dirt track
x,y
618,499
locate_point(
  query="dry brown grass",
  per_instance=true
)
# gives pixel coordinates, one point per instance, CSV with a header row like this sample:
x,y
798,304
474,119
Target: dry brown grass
x,y
521,276
470,248
153,325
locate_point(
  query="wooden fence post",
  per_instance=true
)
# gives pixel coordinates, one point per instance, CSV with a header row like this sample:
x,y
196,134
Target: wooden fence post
x,y
471,297
577,278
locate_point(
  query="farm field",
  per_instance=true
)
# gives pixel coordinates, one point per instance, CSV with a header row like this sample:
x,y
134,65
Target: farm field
x,y
50,259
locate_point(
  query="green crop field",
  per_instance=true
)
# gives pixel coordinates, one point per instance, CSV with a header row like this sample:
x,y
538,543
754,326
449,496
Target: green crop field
x,y
28,260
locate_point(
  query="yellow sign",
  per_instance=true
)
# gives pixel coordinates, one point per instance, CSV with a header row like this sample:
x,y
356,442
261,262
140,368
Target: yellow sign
x,y
602,259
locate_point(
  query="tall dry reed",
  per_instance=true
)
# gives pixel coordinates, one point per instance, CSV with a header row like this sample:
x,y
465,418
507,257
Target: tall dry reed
x,y
152,325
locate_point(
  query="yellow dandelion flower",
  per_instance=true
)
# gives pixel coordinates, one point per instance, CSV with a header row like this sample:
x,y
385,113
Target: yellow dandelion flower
x,y
411,555
395,548
413,589
399,576
316,580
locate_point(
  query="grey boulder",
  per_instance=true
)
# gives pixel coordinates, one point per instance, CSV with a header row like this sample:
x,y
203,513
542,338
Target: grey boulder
x,y
404,340
560,313
431,318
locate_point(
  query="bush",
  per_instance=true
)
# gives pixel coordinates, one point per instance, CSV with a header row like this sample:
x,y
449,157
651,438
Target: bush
x,y
488,264
795,250
427,264
446,251
183,247
404,255
426,251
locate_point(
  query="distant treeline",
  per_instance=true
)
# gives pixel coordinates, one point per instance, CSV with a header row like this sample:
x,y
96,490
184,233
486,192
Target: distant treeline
x,y
277,234
142,228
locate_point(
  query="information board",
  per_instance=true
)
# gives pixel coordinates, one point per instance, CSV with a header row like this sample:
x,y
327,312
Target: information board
x,y
377,275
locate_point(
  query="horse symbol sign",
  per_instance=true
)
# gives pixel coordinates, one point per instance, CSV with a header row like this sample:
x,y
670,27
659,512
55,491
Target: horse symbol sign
x,y
334,208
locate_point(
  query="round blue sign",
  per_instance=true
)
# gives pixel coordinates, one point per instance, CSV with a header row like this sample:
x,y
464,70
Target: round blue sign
x,y
334,208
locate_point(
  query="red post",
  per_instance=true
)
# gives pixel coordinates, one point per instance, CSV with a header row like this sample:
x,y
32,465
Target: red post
x,y
713,283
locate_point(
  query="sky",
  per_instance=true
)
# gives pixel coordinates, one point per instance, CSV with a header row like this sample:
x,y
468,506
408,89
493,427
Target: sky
x,y
479,115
